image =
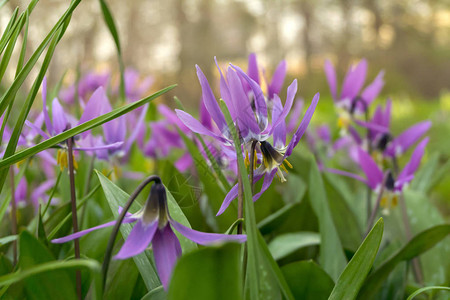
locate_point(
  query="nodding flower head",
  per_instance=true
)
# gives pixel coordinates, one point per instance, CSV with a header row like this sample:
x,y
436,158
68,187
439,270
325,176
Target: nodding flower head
x,y
155,226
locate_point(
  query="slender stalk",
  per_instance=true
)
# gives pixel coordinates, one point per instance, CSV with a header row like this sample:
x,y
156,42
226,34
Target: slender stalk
x,y
373,214
115,231
240,214
13,215
73,201
417,269
52,194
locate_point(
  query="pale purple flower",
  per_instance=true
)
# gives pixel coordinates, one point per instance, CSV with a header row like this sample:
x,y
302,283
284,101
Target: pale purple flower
x,y
154,225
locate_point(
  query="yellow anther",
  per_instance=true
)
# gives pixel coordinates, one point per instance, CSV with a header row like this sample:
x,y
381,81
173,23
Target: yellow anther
x,y
246,160
255,160
63,161
288,163
283,168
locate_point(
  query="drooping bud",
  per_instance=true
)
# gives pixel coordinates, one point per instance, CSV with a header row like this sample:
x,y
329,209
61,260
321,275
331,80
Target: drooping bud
x,y
156,206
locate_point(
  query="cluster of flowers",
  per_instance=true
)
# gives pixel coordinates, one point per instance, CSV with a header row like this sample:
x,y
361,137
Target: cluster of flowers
x,y
376,152
263,124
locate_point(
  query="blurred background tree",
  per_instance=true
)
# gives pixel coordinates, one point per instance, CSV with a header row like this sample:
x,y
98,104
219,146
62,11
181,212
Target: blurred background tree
x,y
166,38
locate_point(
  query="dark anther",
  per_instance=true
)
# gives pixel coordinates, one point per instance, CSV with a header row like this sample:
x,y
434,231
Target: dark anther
x,y
383,141
390,182
355,101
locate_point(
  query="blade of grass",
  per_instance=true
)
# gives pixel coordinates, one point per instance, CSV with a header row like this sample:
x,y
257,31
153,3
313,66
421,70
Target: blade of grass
x,y
79,129
12,90
109,20
8,30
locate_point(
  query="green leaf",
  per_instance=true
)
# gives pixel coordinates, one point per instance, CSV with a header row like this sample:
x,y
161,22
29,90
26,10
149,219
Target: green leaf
x,y
54,267
351,279
122,279
8,30
54,285
259,257
416,246
427,288
7,239
285,244
4,163
109,20
307,280
156,294
117,197
208,273
332,257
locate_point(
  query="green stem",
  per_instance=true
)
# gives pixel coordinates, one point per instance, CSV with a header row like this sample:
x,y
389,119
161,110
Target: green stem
x,y
52,194
112,238
74,212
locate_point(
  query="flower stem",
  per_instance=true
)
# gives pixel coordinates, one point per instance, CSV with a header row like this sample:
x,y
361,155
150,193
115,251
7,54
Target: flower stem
x,y
115,231
373,214
73,201
52,194
13,215
240,213
417,270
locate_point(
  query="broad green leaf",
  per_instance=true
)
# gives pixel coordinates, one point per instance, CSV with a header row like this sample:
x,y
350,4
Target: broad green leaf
x,y
208,273
332,257
343,216
307,280
156,294
429,174
351,279
53,285
428,288
122,279
258,253
211,185
53,267
285,244
416,246
117,197
4,163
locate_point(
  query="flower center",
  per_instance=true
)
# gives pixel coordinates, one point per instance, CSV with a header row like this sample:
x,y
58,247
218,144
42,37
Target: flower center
x,y
62,159
273,158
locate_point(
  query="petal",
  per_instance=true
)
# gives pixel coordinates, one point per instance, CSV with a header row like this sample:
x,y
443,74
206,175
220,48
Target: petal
x,y
195,125
303,125
84,232
232,194
407,138
371,92
138,240
252,70
59,117
354,80
204,238
210,102
137,129
279,132
291,91
184,162
345,173
277,79
100,147
266,184
225,93
37,129
172,117
295,115
414,162
166,249
260,102
330,73
370,168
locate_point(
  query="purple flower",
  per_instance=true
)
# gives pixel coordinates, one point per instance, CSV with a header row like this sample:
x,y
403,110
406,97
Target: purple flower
x,y
155,226
86,86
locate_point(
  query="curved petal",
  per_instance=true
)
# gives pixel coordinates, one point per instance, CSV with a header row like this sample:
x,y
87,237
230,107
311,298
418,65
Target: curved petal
x,y
345,173
195,125
407,138
138,240
266,184
232,194
279,131
166,249
84,232
371,92
330,73
95,105
413,163
374,174
303,125
252,69
210,102
291,91
59,117
295,115
225,93
354,80
277,79
204,238
37,129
